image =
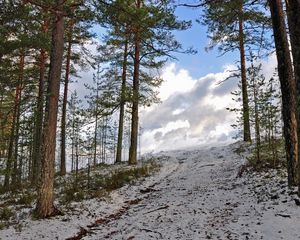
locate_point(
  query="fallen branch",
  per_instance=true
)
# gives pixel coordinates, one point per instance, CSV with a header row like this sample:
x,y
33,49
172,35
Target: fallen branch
x,y
102,221
148,190
157,209
148,230
82,233
283,215
207,165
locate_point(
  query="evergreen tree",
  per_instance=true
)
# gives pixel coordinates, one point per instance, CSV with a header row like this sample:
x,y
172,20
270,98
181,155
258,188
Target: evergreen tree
x,y
237,25
77,33
288,89
293,9
45,205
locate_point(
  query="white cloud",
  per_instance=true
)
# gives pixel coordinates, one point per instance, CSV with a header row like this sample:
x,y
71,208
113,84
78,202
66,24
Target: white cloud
x,y
178,111
193,111
175,82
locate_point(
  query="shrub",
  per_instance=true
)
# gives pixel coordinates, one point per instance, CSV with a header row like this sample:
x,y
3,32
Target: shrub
x,y
26,199
73,194
6,213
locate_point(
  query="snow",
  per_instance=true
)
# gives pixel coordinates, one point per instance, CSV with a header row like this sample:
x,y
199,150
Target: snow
x,y
195,195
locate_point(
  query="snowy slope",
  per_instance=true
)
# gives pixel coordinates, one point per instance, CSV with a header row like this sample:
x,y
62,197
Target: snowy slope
x,y
196,195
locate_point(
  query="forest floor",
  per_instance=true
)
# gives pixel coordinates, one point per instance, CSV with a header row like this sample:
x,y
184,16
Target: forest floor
x,y
197,194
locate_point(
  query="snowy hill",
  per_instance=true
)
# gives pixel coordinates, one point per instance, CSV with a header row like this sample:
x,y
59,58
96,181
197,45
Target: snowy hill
x,y
197,194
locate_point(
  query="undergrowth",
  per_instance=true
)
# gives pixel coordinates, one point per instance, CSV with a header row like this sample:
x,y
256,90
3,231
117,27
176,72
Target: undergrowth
x,y
269,155
74,187
99,185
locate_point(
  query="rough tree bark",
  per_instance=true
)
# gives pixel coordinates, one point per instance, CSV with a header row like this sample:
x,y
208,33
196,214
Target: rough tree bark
x,y
288,88
45,206
135,98
64,106
256,117
39,114
246,118
96,116
122,105
293,13
17,128
13,138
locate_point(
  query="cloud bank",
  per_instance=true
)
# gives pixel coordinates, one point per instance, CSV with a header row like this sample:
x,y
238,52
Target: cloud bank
x,y
192,112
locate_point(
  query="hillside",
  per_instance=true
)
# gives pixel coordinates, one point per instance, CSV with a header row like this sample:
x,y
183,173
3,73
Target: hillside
x,y
196,194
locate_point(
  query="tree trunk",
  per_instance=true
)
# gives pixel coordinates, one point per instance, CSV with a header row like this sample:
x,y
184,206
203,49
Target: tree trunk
x,y
20,167
135,97
39,115
122,105
96,117
73,142
293,11
288,89
256,117
45,206
17,122
95,140
17,131
64,107
76,157
246,118
105,122
14,134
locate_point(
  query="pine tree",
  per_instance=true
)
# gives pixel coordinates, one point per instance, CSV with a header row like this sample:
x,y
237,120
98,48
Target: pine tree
x,y
257,82
288,89
237,25
39,112
45,205
77,33
293,9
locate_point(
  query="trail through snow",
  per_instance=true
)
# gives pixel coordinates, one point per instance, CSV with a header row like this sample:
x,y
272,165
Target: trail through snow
x,y
203,199
196,195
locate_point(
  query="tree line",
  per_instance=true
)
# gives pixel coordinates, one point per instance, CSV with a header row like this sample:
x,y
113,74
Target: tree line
x,y
43,44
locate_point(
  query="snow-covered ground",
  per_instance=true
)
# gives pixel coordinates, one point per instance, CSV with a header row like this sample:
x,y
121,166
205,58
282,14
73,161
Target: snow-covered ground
x,y
195,195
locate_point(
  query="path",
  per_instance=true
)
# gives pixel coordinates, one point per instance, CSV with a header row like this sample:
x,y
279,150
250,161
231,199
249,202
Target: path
x,y
201,199
196,195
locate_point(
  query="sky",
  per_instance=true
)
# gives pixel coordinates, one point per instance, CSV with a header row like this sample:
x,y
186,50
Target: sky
x,y
193,105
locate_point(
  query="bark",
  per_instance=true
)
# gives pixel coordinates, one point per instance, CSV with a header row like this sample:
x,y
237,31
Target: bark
x,y
96,137
14,134
122,105
256,117
64,106
17,128
135,97
105,124
96,118
73,144
45,206
246,118
9,155
76,158
38,128
17,133
293,10
20,164
288,89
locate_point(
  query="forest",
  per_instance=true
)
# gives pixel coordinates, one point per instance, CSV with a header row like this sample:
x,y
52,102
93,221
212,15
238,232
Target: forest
x,y
57,143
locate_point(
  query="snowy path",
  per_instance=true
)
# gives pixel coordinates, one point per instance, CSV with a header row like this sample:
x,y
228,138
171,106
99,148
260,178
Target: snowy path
x,y
195,195
201,199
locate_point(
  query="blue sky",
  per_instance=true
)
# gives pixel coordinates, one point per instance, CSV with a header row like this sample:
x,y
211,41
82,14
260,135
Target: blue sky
x,y
193,106
203,62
